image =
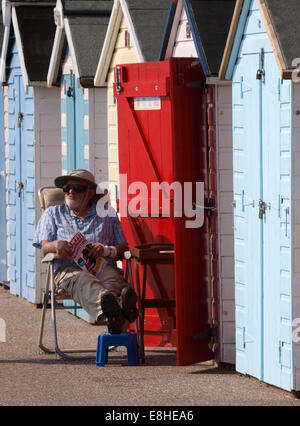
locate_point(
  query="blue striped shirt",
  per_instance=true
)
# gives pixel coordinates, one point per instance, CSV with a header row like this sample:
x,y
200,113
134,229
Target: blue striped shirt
x,y
61,223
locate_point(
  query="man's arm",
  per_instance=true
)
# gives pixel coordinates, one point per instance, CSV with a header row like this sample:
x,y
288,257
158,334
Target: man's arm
x,y
121,248
98,250
62,248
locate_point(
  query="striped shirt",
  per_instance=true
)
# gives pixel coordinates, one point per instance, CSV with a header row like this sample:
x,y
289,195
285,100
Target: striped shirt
x,y
61,223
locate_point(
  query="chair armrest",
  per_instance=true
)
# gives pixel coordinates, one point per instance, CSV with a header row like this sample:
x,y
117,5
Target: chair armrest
x,y
50,257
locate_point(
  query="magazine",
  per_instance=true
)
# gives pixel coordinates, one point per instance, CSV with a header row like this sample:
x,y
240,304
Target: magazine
x,y
81,248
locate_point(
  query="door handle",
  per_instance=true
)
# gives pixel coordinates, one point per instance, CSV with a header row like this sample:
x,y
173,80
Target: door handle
x,y
20,188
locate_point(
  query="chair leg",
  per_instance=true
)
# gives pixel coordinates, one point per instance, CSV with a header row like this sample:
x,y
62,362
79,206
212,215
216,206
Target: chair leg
x,y
62,353
44,310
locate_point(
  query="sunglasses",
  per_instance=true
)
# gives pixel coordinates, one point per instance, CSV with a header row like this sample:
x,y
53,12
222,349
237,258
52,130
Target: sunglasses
x,y
76,188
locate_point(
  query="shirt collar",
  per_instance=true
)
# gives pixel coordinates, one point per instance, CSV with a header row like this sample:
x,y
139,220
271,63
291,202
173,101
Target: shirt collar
x,y
91,212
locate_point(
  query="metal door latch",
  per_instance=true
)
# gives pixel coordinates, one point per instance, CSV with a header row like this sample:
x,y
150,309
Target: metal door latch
x,y
262,206
118,80
20,119
20,188
287,212
260,75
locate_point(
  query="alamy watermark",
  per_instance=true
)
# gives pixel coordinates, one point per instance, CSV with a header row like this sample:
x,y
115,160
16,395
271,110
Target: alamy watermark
x,y
156,200
2,330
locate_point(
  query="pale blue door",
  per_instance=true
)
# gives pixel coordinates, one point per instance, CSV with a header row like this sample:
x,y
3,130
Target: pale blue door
x,y
24,284
262,167
2,194
276,184
75,134
21,197
248,229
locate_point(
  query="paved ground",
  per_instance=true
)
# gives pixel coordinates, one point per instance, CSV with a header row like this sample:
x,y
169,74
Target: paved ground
x,y
30,378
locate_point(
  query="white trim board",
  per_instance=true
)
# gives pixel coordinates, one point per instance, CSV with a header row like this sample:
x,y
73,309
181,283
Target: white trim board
x,y
72,50
173,34
120,9
20,49
55,55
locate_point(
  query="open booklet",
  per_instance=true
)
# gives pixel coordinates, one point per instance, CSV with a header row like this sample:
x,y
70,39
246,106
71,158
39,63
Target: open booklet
x,y
81,248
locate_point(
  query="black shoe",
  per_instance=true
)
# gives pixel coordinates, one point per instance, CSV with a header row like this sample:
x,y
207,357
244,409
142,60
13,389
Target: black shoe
x,y
128,304
112,311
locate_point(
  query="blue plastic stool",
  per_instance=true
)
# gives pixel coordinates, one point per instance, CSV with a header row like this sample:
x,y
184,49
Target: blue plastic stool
x,y
125,339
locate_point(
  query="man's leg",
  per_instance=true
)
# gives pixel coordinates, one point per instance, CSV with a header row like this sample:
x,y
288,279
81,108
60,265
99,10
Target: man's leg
x,y
84,288
98,295
114,282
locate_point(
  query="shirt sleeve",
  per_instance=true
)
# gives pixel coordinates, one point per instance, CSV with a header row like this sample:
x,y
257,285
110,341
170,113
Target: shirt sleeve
x,y
119,236
46,229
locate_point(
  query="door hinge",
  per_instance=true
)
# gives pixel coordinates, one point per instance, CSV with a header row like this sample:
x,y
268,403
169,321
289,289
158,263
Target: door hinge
x,y
210,333
209,206
197,84
246,338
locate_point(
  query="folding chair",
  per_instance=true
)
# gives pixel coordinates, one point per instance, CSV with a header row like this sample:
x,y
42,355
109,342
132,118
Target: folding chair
x,y
50,196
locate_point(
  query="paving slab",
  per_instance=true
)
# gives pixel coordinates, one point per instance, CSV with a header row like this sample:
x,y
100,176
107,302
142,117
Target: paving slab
x,y
28,377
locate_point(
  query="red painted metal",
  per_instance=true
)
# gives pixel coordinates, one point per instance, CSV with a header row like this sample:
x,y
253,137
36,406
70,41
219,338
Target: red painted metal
x,y
170,145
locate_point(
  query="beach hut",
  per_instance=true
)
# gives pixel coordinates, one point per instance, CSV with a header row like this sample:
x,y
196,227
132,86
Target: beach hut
x,y
32,142
80,31
134,35
199,29
261,59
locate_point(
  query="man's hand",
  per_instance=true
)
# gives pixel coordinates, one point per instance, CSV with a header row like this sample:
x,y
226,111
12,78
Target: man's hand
x,y
60,247
96,251
63,249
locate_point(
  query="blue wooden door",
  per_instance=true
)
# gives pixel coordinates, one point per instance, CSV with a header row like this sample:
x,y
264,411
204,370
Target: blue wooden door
x,y
23,209
262,167
21,195
75,134
276,186
247,189
2,194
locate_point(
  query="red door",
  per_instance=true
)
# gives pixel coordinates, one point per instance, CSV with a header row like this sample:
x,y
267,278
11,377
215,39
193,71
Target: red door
x,y
162,133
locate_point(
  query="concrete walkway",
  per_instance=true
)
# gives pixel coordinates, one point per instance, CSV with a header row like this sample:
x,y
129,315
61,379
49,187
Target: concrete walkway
x,y
30,378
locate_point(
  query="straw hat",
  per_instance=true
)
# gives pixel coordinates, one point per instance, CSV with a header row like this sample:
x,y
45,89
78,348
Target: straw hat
x,y
77,174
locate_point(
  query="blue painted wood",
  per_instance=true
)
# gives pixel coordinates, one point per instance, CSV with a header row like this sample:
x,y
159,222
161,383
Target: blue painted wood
x,y
81,134
276,150
76,136
246,135
237,41
196,38
167,31
3,275
262,171
22,214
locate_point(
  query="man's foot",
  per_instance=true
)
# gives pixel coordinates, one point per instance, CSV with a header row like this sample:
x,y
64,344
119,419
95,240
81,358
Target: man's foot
x,y
128,304
112,311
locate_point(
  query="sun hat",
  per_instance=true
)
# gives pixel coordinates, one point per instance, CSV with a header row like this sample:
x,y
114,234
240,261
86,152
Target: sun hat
x,y
76,174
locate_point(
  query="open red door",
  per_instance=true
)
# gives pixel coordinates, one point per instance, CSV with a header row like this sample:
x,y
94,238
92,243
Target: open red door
x,y
162,135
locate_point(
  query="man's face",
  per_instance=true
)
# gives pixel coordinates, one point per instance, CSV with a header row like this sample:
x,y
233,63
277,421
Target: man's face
x,y
78,200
